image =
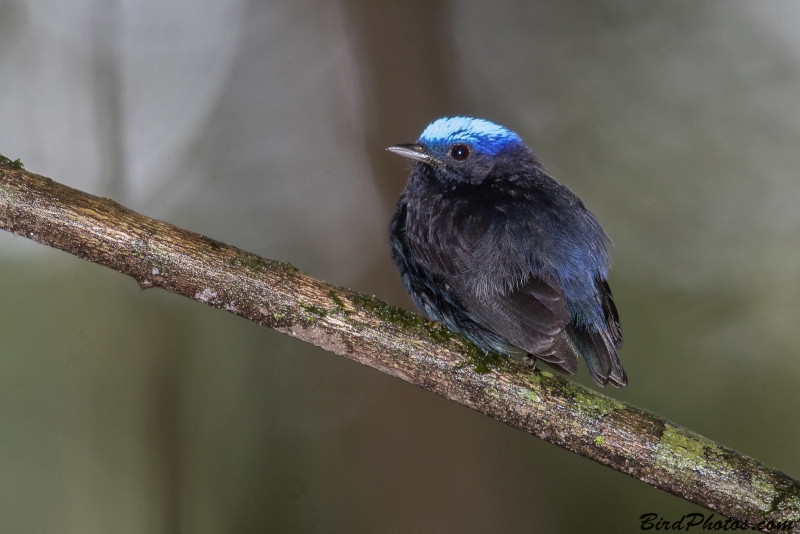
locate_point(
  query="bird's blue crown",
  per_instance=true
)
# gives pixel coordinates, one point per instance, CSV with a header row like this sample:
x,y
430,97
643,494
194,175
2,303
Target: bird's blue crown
x,y
482,135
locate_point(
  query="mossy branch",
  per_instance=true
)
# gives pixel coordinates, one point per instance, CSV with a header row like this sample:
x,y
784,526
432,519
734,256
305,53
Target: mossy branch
x,y
397,342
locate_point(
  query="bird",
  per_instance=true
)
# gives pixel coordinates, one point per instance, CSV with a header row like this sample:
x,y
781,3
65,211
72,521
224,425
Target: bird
x,y
493,247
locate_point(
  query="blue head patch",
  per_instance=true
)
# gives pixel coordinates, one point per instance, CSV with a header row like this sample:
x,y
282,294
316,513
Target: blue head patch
x,y
484,136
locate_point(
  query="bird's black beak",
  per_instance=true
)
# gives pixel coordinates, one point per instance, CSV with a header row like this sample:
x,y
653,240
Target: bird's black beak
x,y
413,151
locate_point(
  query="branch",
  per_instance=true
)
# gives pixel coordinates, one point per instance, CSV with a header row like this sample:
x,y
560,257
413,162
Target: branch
x,y
397,342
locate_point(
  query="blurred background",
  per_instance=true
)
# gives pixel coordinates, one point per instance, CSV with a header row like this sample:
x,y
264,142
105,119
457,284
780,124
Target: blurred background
x,y
263,124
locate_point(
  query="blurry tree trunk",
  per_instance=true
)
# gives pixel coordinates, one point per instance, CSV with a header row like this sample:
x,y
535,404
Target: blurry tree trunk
x,y
410,90
405,92
107,77
400,343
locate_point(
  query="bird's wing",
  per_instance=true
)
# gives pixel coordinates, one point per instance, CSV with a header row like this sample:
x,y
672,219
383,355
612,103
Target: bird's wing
x,y
532,317
474,255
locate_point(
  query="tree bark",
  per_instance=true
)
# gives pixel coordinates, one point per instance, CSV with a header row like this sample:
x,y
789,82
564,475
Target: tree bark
x,y
400,343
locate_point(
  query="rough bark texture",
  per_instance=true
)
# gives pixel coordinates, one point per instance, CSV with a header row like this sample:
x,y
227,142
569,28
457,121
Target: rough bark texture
x,y
400,343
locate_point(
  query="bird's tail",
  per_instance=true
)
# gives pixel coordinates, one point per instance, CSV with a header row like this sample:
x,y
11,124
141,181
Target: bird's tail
x,y
600,354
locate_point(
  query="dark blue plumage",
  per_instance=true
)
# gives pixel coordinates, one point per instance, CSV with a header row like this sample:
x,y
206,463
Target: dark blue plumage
x,y
499,251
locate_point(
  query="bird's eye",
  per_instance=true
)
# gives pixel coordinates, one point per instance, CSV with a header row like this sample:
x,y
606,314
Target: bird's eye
x,y
459,152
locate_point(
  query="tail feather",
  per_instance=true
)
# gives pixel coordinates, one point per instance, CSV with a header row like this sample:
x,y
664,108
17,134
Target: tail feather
x,y
600,354
561,357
